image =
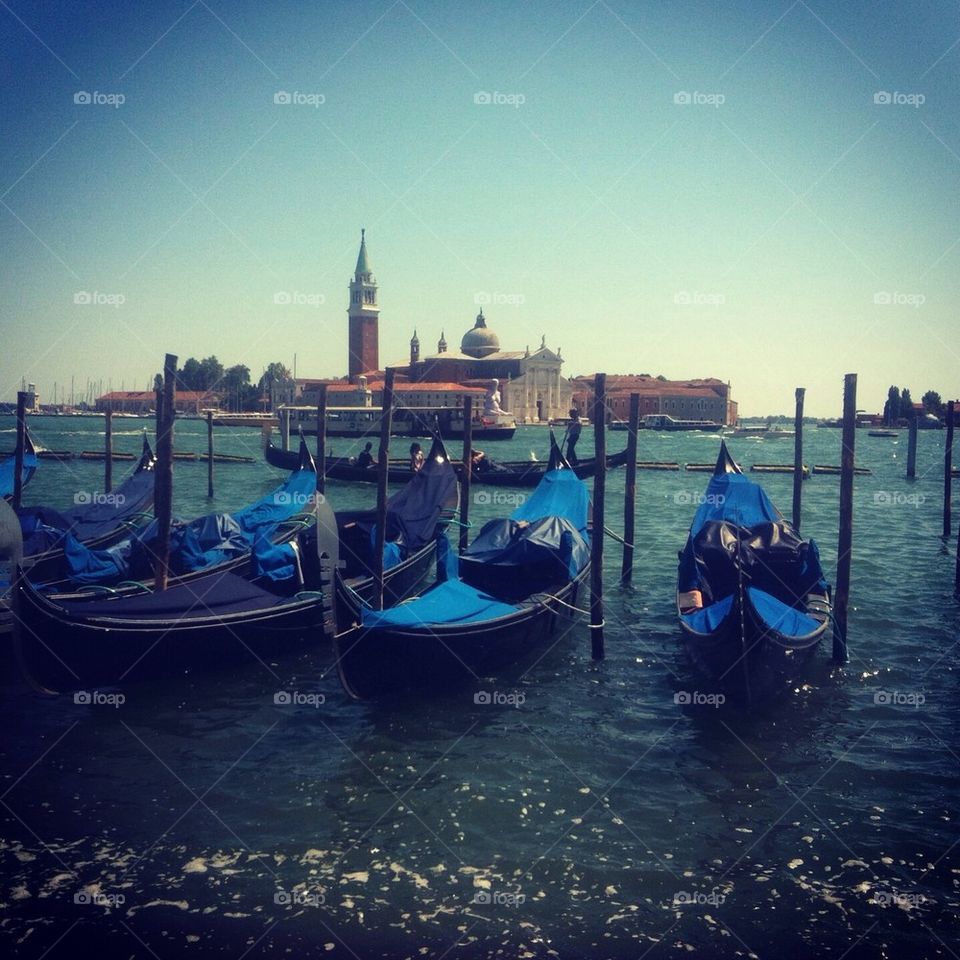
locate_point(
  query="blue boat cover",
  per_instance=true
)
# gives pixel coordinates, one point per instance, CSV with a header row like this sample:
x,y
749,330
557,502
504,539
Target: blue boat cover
x,y
708,619
560,493
8,465
738,536
543,540
735,498
45,529
780,617
276,561
450,602
198,545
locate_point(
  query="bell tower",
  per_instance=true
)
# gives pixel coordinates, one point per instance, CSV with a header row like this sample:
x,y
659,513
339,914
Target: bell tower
x,y
364,313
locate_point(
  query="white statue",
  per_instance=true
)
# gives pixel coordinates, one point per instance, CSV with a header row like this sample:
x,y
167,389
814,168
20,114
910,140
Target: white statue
x,y
491,403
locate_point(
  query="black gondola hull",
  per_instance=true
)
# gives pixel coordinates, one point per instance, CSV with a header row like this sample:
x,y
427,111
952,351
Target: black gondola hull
x,y
382,662
515,474
748,659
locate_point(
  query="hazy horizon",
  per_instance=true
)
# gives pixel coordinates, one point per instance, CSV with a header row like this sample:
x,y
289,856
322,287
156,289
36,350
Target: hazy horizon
x,y
767,195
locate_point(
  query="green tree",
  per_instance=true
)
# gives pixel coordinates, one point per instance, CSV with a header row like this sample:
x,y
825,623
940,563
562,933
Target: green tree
x,y
211,374
891,409
274,372
932,403
237,390
906,404
188,376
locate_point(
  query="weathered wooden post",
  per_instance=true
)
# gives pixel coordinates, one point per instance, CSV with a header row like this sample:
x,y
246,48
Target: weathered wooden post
x,y
164,480
157,407
800,393
210,454
599,491
956,576
630,490
285,427
322,438
21,446
845,540
912,451
467,471
383,476
948,470
107,450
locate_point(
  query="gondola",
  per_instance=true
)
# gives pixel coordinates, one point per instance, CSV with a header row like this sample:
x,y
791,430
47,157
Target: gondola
x,y
504,597
752,598
286,594
96,520
504,474
8,467
219,541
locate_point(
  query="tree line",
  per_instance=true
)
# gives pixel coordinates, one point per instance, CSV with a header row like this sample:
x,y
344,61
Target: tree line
x,y
899,405
232,383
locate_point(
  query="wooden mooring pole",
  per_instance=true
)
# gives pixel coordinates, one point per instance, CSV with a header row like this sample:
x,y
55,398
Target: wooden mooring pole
x,y
322,438
383,476
845,540
799,394
163,496
210,454
912,451
18,453
467,472
630,490
599,492
947,469
107,451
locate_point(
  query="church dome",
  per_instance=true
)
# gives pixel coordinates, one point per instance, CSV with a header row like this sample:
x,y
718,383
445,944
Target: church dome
x,y
480,342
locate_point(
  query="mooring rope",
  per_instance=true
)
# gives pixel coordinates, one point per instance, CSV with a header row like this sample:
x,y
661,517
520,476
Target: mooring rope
x,y
616,536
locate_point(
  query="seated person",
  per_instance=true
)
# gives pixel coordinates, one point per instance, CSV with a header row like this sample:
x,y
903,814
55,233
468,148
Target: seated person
x,y
416,457
365,459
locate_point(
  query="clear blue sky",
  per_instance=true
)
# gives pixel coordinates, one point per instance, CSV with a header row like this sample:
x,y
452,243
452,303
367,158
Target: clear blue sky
x,y
747,234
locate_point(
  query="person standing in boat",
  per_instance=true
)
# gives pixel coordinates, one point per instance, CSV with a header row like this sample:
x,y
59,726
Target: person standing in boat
x,y
416,457
365,459
573,435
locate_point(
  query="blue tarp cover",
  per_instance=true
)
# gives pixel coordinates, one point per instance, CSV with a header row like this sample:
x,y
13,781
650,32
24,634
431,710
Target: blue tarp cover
x,y
561,493
450,602
707,619
735,498
7,466
44,528
780,617
198,545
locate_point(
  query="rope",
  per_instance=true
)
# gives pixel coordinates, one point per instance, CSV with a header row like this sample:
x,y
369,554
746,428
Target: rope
x,y
616,536
569,606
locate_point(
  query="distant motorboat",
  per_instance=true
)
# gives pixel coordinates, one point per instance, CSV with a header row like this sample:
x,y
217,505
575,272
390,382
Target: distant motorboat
x,y
663,421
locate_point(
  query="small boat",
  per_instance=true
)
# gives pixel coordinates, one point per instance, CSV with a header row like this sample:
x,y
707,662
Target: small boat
x,y
284,594
664,422
890,434
763,432
404,422
503,598
8,467
517,473
752,598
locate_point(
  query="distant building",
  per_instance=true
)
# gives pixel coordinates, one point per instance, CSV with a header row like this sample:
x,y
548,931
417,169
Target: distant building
x,y
143,402
708,399
531,385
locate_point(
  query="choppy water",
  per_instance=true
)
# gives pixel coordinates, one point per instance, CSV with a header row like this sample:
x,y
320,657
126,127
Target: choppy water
x,y
585,815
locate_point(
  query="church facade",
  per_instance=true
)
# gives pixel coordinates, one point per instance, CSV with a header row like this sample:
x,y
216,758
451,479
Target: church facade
x,y
531,384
